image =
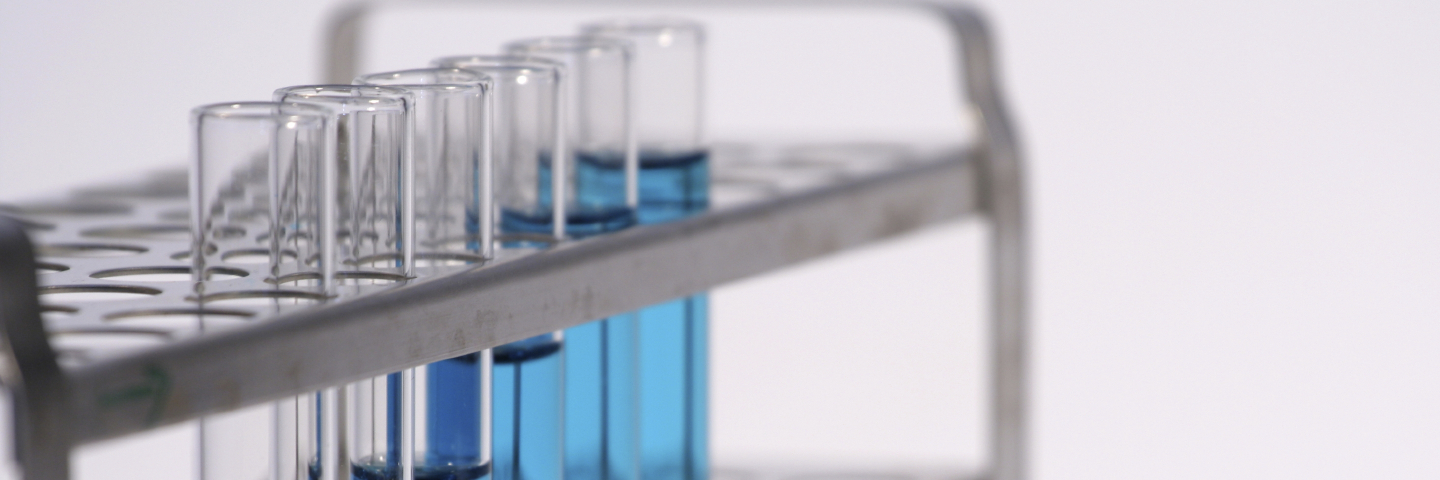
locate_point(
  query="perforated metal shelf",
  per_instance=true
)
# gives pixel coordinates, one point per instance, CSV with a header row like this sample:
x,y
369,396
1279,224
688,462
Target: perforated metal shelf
x,y
122,316
115,268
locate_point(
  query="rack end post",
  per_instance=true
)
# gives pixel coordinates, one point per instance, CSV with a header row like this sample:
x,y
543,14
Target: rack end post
x,y
29,371
342,42
1003,201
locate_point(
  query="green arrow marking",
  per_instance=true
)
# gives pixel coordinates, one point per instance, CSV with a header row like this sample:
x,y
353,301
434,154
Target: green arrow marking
x,y
155,387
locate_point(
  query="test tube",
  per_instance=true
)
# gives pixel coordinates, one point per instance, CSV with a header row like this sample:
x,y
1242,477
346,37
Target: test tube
x,y
527,375
373,172
249,160
453,168
668,65
595,111
600,360
453,174
527,135
674,184
370,166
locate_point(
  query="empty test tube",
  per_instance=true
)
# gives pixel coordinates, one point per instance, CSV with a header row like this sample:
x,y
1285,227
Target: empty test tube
x,y
674,184
249,160
369,166
600,361
454,224
527,375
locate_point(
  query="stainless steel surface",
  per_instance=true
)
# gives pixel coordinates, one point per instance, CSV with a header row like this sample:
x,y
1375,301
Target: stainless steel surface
x,y
462,311
783,214
776,206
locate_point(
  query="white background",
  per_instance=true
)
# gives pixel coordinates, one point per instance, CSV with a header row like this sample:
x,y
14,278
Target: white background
x,y
1234,206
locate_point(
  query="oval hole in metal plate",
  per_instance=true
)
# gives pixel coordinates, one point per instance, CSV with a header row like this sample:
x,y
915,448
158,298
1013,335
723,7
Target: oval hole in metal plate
x,y
262,298
351,278
47,267
167,274
55,312
249,256
67,209
172,232
180,320
422,259
93,293
88,250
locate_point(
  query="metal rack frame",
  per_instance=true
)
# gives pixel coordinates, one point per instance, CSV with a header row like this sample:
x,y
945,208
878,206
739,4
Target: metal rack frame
x,y
58,407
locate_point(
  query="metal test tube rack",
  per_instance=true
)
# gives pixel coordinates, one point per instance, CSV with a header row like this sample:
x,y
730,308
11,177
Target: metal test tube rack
x,y
62,402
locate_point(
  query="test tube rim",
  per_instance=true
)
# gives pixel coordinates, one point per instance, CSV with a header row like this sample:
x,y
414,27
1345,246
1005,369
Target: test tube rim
x,y
380,98
257,110
569,44
642,25
488,63
481,79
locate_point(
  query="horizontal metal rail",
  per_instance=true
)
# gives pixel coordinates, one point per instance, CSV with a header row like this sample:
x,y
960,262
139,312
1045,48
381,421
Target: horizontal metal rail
x,y
486,307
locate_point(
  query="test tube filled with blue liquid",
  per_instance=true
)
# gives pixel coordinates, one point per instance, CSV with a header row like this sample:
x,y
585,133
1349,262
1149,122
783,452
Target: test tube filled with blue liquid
x,y
674,184
454,227
600,360
367,225
527,403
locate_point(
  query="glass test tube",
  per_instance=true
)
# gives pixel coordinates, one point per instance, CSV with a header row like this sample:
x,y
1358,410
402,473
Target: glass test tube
x,y
249,161
600,361
370,166
526,136
527,375
453,214
674,184
372,171
667,69
595,112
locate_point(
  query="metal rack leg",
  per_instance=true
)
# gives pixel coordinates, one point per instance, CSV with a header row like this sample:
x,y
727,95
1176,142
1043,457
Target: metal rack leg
x,y
1004,203
37,390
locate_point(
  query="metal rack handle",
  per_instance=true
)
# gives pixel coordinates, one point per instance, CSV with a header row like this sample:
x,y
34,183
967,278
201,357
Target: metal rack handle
x,y
1002,187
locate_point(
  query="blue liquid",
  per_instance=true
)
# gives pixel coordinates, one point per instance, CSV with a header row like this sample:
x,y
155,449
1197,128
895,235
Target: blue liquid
x,y
600,400
600,361
674,336
598,207
674,389
579,224
454,416
672,348
453,405
319,437
377,470
672,185
453,424
527,409
523,381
